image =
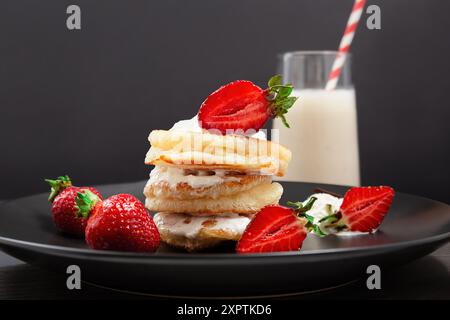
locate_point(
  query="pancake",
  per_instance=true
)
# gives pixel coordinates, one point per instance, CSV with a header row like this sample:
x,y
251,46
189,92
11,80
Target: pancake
x,y
247,202
206,151
197,233
189,185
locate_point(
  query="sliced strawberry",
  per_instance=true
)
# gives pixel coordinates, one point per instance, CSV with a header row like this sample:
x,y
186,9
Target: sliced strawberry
x,y
274,228
243,105
364,208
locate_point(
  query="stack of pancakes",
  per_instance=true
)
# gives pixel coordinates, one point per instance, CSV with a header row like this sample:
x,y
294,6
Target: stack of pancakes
x,y
206,187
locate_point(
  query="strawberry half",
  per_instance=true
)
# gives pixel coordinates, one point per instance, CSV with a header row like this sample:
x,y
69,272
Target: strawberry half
x,y
242,105
363,209
274,228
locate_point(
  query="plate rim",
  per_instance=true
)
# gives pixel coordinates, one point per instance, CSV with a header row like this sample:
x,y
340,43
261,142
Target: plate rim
x,y
89,253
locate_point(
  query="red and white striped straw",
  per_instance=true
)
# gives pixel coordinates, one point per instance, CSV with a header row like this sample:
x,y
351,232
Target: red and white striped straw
x,y
345,44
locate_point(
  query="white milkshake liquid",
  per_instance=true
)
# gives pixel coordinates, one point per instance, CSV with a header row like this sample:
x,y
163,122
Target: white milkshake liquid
x,y
323,137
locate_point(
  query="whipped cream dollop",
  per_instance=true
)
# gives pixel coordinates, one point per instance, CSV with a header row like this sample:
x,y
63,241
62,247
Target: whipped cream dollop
x,y
194,178
189,226
324,206
321,207
192,125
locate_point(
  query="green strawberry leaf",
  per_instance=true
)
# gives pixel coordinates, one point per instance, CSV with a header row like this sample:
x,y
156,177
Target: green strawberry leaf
x,y
316,229
285,91
297,205
85,202
57,185
284,121
331,218
309,204
279,98
274,81
309,218
286,103
301,208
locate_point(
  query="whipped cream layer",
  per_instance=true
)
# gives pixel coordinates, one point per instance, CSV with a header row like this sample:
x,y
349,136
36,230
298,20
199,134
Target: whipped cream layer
x,y
189,226
194,178
320,209
192,125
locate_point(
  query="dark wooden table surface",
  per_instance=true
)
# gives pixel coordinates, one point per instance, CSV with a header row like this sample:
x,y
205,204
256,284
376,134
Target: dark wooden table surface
x,y
426,278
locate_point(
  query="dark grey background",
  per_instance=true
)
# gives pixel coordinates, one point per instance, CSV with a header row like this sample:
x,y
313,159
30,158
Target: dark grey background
x,y
83,102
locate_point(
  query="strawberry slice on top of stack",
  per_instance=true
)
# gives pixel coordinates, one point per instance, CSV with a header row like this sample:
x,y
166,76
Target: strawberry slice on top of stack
x,y
242,105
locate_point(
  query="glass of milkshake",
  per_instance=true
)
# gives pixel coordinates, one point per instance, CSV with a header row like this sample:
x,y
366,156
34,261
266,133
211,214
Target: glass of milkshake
x,y
323,134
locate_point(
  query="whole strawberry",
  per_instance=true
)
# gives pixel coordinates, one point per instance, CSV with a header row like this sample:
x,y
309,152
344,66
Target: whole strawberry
x,y
71,206
242,105
122,223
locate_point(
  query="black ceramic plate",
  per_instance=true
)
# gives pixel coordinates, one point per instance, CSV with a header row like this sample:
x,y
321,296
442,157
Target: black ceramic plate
x,y
414,227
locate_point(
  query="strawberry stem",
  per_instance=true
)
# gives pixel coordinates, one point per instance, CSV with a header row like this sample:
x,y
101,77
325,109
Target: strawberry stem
x,y
302,209
57,185
279,98
333,221
85,202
